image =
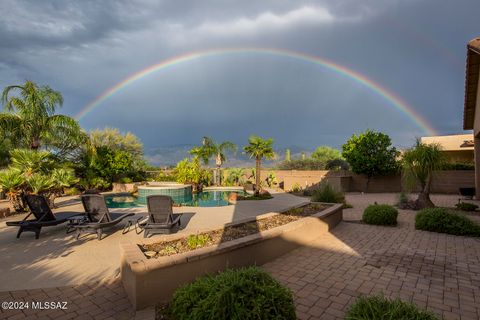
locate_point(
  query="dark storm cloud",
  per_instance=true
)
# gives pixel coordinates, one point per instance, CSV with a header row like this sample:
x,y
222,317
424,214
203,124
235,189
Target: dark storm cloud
x,y
416,49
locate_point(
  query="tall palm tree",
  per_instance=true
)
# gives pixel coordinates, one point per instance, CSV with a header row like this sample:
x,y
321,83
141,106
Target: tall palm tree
x,y
419,163
31,120
259,149
211,149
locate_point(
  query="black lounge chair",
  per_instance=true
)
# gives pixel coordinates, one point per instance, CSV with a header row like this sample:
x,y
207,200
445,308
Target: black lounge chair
x,y
99,217
44,216
161,218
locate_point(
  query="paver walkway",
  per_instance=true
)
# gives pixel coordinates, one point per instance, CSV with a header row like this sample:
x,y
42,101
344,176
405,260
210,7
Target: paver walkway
x,y
435,271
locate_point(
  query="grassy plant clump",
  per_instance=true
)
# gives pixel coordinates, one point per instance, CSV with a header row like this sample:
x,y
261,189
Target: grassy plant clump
x,y
296,188
443,221
380,214
326,193
465,206
197,241
244,294
380,307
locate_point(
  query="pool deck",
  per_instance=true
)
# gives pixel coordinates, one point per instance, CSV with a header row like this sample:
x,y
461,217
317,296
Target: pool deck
x,y
57,259
435,271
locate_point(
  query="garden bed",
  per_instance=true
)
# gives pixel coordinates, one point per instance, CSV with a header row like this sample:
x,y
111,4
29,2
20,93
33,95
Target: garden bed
x,y
233,232
253,241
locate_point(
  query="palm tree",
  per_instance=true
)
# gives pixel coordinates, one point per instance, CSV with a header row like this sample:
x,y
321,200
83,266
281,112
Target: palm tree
x,y
211,149
259,149
30,161
30,117
11,182
419,163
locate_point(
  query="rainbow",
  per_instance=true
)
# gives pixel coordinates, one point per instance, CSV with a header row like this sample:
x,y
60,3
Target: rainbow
x,y
393,100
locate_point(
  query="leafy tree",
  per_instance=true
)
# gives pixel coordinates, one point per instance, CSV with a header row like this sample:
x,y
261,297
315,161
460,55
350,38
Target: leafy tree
x,y
190,171
113,139
325,154
337,164
419,164
371,153
31,122
110,157
259,149
211,149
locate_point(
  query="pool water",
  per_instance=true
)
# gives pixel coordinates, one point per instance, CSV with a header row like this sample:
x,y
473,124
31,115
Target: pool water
x,y
209,198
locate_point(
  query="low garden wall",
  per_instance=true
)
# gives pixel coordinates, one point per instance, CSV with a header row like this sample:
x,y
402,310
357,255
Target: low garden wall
x,y
124,187
445,181
150,281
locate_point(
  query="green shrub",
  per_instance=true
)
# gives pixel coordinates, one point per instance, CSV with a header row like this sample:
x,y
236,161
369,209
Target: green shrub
x,y
465,206
296,187
72,191
248,293
458,166
302,164
380,307
197,241
442,221
380,214
125,180
326,193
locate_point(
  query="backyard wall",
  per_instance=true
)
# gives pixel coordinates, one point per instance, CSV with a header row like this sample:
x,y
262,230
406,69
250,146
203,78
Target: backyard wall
x,y
447,181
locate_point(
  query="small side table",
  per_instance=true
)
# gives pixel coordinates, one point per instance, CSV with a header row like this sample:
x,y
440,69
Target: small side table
x,y
74,221
133,221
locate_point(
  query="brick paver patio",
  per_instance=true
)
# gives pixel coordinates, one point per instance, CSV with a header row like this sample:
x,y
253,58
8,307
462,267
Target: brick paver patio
x,y
93,301
435,271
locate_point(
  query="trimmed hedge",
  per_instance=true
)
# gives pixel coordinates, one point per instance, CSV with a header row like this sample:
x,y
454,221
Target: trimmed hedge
x,y
443,221
248,293
380,308
380,214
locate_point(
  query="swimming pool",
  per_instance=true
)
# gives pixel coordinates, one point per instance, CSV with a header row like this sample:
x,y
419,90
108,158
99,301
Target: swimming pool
x,y
209,198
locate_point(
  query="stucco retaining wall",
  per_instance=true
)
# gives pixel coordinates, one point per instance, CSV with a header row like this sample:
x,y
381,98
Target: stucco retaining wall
x,y
149,281
445,181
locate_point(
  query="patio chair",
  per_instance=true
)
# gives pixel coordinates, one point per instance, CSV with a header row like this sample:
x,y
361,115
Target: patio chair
x,y
99,217
161,218
44,216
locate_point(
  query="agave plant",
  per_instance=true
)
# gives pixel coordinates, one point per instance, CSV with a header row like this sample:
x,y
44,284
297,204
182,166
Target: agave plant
x,y
11,182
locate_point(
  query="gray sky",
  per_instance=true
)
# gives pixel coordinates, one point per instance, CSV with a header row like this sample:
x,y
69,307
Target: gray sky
x,y
414,48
